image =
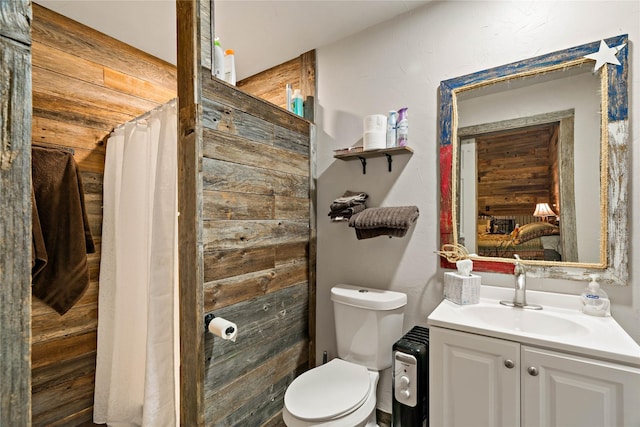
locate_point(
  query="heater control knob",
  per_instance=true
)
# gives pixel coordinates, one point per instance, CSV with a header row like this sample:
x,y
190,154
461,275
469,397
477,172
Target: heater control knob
x,y
404,382
405,376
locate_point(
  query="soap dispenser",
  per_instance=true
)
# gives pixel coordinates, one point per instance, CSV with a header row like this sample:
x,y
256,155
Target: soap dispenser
x,y
595,301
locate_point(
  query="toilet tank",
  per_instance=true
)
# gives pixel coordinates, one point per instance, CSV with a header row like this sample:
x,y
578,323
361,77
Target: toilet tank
x,y
368,322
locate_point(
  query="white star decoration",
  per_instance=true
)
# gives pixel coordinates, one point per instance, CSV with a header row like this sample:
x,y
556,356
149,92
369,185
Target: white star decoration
x,y
605,55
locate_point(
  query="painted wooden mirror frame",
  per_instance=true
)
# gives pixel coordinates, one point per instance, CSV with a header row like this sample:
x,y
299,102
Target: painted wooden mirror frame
x,y
614,165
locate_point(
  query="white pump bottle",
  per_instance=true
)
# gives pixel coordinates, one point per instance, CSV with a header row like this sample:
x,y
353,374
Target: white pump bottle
x,y
595,301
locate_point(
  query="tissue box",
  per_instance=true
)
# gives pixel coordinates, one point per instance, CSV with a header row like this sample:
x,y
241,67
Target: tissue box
x,y
462,289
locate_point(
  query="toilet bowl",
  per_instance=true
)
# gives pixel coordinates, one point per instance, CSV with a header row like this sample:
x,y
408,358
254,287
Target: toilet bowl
x,y
342,392
336,394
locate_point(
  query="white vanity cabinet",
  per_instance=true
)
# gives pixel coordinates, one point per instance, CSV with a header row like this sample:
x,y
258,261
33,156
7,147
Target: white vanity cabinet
x,y
477,381
561,389
469,384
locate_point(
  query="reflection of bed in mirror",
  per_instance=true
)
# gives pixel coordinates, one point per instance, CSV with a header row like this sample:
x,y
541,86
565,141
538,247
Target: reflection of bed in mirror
x,y
532,241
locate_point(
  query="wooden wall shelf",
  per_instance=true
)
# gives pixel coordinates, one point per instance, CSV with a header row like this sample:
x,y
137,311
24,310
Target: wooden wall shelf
x,y
383,152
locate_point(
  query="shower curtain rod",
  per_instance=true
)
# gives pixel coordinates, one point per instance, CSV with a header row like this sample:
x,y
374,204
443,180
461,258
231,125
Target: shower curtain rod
x,y
143,116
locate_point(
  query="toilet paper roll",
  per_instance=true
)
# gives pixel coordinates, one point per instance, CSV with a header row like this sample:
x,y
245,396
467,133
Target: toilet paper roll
x,y
375,123
374,140
223,328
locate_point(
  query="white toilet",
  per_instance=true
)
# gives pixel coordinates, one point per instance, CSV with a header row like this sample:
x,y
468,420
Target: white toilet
x,y
342,392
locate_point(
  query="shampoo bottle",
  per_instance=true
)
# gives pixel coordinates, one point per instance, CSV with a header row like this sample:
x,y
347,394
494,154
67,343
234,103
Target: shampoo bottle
x,y
595,301
230,67
297,103
402,132
289,93
218,60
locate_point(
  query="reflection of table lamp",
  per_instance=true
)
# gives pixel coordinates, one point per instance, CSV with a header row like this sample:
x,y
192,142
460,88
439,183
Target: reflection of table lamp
x,y
543,211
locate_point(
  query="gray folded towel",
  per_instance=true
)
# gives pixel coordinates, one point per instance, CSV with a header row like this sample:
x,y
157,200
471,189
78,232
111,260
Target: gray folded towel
x,y
368,233
348,199
351,196
389,221
390,217
348,212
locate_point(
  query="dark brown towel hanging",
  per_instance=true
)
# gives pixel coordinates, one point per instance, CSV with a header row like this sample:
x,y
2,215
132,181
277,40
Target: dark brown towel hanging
x,y
38,249
64,228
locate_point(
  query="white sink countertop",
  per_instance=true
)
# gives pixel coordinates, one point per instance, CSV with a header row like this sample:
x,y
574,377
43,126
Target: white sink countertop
x,y
560,325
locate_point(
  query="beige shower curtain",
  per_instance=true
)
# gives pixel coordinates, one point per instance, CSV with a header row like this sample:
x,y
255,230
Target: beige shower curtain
x,y
138,354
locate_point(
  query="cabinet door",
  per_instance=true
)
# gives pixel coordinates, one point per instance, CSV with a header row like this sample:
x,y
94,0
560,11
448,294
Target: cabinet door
x,y
566,390
474,380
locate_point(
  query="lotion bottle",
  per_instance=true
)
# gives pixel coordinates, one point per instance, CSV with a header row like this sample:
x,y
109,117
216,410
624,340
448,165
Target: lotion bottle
x,y
297,103
392,119
595,301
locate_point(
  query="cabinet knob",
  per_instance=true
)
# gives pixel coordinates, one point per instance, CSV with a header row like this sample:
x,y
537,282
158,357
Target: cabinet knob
x,y
532,371
509,363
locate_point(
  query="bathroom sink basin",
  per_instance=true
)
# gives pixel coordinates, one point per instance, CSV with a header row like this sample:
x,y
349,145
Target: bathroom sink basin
x,y
539,322
560,325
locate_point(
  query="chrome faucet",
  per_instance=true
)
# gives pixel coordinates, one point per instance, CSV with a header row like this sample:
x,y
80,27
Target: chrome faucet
x,y
520,297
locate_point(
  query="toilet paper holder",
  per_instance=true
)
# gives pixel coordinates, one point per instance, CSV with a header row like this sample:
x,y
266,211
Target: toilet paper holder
x,y
209,317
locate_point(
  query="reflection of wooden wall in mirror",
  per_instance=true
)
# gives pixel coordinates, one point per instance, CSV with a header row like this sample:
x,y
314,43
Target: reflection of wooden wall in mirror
x,y
515,170
498,195
270,84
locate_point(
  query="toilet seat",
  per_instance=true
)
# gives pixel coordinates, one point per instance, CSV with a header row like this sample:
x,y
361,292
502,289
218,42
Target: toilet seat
x,y
329,391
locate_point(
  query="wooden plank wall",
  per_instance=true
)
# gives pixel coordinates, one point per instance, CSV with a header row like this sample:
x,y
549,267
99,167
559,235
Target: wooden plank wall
x,y
84,84
256,233
270,84
15,212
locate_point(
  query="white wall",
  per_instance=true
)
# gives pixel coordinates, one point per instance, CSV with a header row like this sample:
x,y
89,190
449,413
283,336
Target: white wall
x,y
401,63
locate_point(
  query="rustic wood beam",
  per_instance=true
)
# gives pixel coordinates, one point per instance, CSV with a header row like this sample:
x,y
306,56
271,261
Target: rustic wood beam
x,y
15,213
190,220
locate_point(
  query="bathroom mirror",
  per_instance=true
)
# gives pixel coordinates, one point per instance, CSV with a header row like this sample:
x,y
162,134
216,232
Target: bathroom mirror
x,y
533,159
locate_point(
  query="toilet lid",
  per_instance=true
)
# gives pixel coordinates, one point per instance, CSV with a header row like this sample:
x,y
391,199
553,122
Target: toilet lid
x,y
328,391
